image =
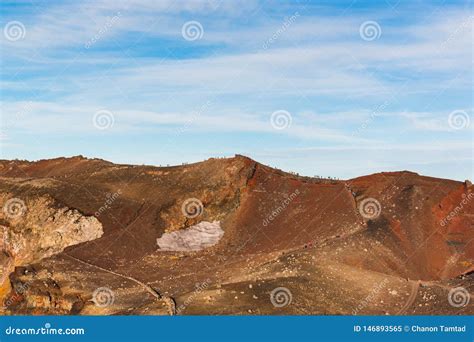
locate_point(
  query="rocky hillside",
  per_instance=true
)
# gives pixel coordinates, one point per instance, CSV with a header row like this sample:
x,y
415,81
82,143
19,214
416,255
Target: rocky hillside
x,y
83,236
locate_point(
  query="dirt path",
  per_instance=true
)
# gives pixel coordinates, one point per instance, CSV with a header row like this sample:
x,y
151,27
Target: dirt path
x,y
415,286
168,300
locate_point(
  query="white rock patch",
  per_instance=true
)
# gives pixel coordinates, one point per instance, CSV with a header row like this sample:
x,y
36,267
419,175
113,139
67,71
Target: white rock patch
x,y
195,238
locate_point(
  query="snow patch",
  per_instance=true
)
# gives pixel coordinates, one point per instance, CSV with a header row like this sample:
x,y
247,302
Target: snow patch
x,y
195,238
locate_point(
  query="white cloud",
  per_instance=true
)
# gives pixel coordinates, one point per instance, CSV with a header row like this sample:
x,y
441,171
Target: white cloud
x,y
317,62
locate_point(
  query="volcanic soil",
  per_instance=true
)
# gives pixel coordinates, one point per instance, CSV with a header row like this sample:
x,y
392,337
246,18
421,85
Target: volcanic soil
x,y
80,237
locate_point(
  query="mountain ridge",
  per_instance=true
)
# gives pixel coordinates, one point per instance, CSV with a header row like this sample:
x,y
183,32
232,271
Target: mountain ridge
x,y
397,228
5,162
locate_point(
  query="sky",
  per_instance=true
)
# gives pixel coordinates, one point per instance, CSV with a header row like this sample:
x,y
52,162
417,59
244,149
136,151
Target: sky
x,y
326,88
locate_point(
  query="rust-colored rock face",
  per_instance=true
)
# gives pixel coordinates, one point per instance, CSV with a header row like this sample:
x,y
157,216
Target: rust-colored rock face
x,y
79,236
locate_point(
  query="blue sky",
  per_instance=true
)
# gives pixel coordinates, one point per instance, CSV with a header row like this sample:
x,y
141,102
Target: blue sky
x,y
331,88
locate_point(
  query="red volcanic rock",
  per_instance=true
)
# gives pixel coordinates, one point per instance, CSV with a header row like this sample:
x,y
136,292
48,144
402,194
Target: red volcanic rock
x,y
392,242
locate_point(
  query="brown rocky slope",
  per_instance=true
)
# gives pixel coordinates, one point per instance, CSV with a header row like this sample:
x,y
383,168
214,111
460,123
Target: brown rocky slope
x,y
79,236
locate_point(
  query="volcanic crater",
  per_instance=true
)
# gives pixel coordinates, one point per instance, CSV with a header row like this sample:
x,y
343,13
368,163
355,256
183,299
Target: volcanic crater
x,y
79,236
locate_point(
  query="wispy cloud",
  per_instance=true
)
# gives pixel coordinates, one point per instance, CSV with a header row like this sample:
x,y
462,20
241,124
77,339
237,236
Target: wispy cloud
x,y
343,92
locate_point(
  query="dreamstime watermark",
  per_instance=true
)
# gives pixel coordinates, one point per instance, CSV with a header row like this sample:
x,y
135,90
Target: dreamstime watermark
x,y
14,208
199,288
20,114
287,22
17,296
103,119
192,30
281,119
192,208
9,121
103,297
370,208
109,200
458,297
14,30
214,4
194,117
281,297
373,115
459,119
278,210
110,21
466,198
46,330
370,30
371,297
465,25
